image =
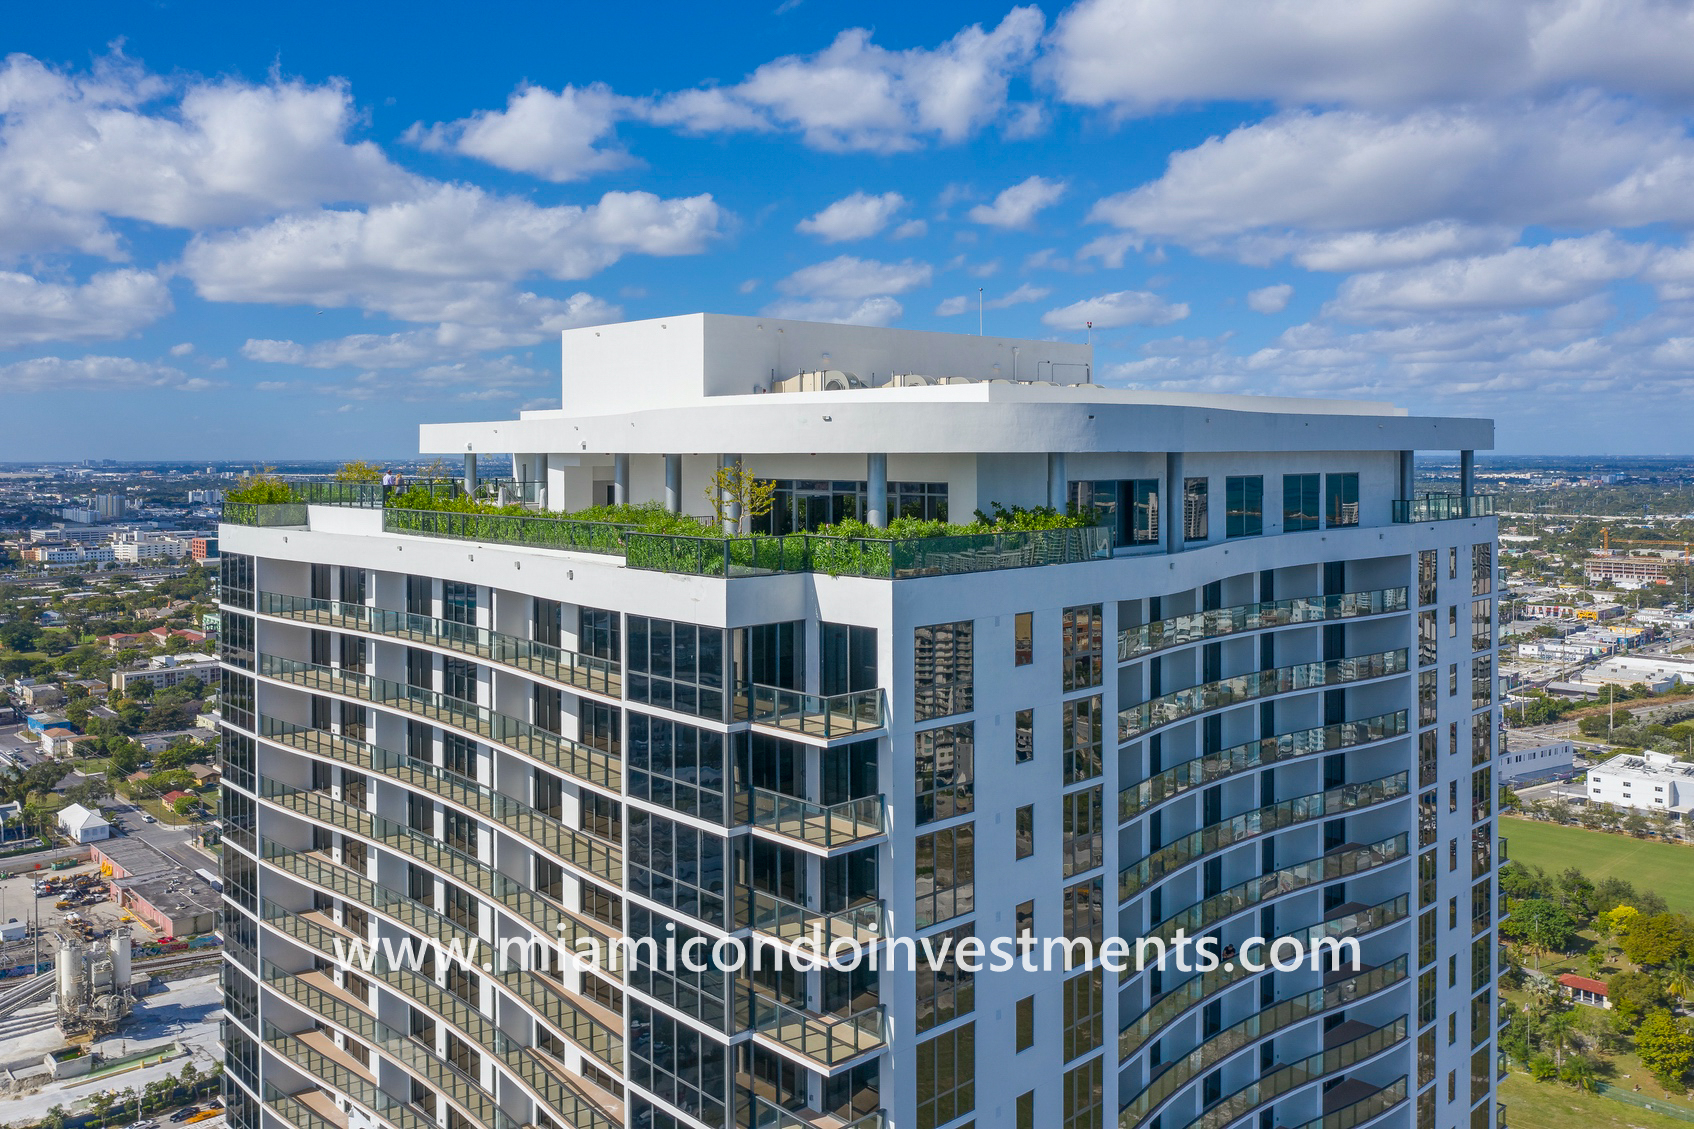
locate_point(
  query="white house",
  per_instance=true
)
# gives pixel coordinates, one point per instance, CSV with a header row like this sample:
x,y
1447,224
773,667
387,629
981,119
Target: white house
x,y
83,825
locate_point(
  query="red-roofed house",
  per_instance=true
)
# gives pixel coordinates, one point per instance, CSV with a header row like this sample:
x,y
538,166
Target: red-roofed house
x,y
121,640
160,634
173,797
1584,990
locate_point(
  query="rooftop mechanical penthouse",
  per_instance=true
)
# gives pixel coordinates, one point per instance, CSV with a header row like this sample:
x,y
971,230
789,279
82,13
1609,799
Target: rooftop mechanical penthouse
x,y
1253,699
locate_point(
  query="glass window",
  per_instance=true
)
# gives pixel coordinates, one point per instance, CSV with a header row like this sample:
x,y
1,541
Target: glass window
x,y
1426,576
235,580
676,865
1129,508
1143,494
1244,499
598,634
239,761
676,766
684,1066
942,670
1026,1023
1083,647
676,666
848,660
1196,498
235,699
1481,569
944,762
1085,912
1023,739
945,992
1083,1095
946,874
1084,739
1025,829
1427,638
703,994
1299,502
924,500
458,602
236,639
1085,1001
946,1074
1083,822
1343,500
1023,639
1481,625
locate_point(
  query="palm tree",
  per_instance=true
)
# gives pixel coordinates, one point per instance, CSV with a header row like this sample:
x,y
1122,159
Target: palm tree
x,y
1679,977
1557,1029
1581,1073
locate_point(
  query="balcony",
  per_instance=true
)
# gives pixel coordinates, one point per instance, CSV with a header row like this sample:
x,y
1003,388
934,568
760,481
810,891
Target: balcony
x,y
309,1109
576,848
543,917
544,997
1175,631
1355,920
1344,1108
1138,719
755,1111
1274,817
1295,1075
826,1042
814,826
828,717
1212,767
579,671
874,558
339,1073
787,922
290,515
590,766
1442,507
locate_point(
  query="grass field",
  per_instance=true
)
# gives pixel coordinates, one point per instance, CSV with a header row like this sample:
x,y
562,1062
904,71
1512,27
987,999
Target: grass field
x,y
1667,868
1554,1105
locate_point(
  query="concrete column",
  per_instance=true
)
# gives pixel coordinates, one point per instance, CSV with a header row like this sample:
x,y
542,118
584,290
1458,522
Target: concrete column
x,y
1406,473
732,511
1171,506
620,480
470,473
673,483
1467,473
1057,487
876,491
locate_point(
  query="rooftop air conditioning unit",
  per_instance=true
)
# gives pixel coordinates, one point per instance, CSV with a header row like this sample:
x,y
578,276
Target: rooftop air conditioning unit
x,y
910,380
831,380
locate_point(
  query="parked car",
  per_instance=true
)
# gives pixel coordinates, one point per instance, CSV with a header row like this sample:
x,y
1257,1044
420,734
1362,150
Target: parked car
x,y
185,1114
148,819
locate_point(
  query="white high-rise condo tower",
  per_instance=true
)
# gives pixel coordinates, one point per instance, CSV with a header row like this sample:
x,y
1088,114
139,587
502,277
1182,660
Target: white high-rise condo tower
x,y
1254,699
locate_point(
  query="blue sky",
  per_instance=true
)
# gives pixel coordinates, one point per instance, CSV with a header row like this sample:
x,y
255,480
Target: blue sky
x,y
301,230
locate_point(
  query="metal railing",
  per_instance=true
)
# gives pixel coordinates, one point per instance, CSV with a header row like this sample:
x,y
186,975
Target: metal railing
x,y
1177,705
1363,1110
1211,767
1442,507
584,672
1295,1075
590,765
815,715
1272,817
787,921
875,558
827,1040
1174,631
576,848
754,1111
288,514
816,825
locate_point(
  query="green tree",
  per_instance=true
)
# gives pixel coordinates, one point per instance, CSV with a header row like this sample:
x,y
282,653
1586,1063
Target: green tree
x,y
1656,940
1542,924
1581,1071
1666,1048
1633,995
54,1118
358,471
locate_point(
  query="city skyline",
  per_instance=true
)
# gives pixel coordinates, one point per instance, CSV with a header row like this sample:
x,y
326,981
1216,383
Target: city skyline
x,y
273,241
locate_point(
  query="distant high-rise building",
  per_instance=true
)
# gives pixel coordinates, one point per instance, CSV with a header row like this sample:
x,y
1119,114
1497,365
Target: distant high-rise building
x,y
444,727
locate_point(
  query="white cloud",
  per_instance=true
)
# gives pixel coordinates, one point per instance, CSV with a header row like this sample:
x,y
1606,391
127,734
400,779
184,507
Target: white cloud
x,y
474,379
856,96
911,229
182,350
531,321
119,142
1018,205
848,277
858,216
558,136
112,304
1553,274
449,255
1270,299
952,307
1461,174
1139,55
1111,311
881,310
1375,250
60,375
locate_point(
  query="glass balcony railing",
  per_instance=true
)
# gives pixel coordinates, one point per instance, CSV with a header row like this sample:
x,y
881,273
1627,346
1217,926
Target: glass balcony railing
x,y
815,825
754,1111
506,529
1291,1077
293,1108
1138,719
1204,770
1363,1110
828,1041
1356,923
539,993
541,916
473,1101
815,715
787,921
583,672
289,515
361,1090
589,765
1176,1073
578,849
875,558
1442,507
1273,817
1133,642
1341,862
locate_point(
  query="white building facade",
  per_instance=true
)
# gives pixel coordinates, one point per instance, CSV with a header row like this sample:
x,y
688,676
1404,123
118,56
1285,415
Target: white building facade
x,y
1648,782
1272,718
